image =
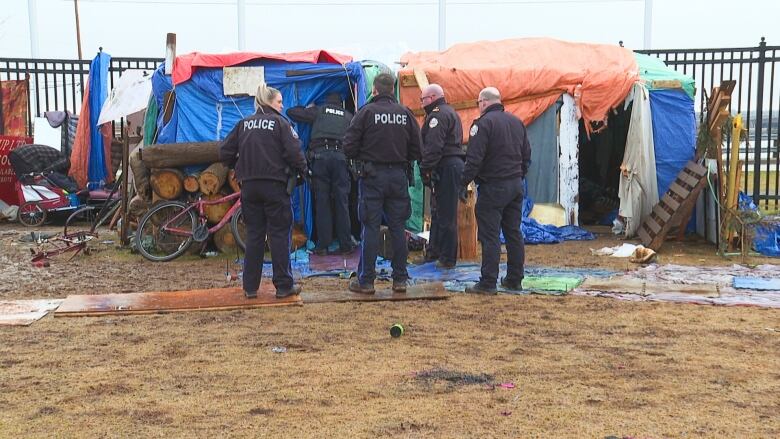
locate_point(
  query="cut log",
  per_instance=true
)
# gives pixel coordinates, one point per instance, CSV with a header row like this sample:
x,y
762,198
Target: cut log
x,y
180,154
191,182
224,240
215,212
167,183
140,175
467,228
233,182
137,207
213,178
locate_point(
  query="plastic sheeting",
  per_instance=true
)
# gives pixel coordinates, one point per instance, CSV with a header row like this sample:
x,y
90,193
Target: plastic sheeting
x,y
98,170
536,233
130,95
542,175
652,69
638,189
203,113
674,134
530,73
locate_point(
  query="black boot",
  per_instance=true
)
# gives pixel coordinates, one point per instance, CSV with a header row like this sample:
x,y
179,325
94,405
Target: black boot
x,y
293,291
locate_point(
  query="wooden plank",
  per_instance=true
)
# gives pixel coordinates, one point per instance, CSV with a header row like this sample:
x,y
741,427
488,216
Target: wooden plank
x,y
667,83
408,80
421,78
670,202
170,301
426,291
662,213
653,225
644,236
678,190
688,179
696,169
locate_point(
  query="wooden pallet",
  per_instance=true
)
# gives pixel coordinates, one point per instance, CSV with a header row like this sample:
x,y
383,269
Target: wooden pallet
x,y
675,206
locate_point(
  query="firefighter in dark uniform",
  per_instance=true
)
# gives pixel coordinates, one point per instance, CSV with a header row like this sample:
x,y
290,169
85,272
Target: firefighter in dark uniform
x,y
497,158
441,169
384,138
266,151
330,174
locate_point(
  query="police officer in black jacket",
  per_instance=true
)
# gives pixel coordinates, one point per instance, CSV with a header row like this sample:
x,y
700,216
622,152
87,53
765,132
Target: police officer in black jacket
x,y
265,150
385,138
497,158
330,175
441,169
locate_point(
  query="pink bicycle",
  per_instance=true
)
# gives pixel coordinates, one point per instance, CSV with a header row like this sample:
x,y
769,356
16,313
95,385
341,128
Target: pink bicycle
x,y
170,228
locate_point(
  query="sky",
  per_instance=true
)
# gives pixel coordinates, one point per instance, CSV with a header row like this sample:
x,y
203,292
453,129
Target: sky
x,y
374,29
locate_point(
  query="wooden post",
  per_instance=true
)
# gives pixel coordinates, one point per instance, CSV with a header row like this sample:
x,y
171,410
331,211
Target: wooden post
x,y
78,27
124,230
168,183
174,155
170,52
213,178
467,228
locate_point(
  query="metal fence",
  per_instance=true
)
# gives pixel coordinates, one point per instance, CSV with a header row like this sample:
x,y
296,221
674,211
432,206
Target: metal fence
x,y
58,84
755,96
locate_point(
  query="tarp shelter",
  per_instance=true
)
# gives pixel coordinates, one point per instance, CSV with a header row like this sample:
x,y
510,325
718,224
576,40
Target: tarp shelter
x,y
203,112
566,93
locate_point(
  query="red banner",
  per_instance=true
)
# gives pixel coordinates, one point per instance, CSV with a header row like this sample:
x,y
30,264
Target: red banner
x,y
13,98
7,175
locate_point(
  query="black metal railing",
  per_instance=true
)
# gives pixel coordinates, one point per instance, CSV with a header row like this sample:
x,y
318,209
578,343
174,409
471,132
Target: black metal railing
x,y
755,71
58,84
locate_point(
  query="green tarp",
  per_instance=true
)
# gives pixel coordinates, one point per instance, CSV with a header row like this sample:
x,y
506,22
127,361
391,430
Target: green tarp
x,y
652,69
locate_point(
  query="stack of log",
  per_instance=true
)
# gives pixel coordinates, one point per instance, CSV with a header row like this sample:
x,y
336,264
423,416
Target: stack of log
x,y
159,175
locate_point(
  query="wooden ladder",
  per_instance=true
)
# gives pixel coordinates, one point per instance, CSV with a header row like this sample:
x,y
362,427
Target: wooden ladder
x,y
675,207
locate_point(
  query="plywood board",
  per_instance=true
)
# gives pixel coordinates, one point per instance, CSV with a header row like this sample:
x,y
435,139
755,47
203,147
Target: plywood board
x,y
643,287
242,80
426,291
25,312
170,301
346,262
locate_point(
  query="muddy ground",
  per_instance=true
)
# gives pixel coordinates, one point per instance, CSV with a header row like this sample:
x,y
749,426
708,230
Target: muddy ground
x,y
581,367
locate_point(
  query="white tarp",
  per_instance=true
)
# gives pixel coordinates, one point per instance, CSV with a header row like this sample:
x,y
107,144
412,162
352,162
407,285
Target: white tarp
x,y
638,190
130,95
44,134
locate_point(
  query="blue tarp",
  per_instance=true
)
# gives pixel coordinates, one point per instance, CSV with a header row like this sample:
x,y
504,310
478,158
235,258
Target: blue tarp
x,y
537,233
674,134
203,113
98,91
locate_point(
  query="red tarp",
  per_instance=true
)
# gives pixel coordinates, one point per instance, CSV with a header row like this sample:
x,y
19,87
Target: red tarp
x,y
530,73
186,64
13,98
7,175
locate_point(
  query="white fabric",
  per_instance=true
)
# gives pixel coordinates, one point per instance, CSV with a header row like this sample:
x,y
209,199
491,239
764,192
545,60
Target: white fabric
x,y
38,193
44,134
638,190
569,170
130,95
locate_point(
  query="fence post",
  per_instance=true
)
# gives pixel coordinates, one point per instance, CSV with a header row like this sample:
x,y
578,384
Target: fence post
x,y
758,131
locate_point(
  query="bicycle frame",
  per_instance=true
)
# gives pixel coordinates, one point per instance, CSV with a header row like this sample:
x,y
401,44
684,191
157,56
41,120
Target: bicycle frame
x,y
200,205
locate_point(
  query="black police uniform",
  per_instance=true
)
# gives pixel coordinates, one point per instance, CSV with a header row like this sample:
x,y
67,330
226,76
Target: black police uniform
x,y
442,168
386,137
331,180
497,158
264,149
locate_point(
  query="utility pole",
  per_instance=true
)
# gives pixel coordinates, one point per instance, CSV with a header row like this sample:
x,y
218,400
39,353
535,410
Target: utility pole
x,y
442,24
648,24
240,16
32,16
78,27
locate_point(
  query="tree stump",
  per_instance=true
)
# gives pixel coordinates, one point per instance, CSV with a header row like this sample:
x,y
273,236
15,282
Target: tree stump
x,y
140,175
233,182
215,212
467,228
224,240
191,183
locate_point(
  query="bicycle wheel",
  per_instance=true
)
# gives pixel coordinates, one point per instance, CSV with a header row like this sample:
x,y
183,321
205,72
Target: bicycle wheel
x,y
239,228
31,214
106,213
79,221
154,239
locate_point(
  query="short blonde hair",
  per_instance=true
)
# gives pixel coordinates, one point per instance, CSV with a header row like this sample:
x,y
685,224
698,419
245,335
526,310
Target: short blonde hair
x,y
265,95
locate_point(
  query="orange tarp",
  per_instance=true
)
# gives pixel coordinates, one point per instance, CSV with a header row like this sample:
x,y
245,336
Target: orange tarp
x,y
530,73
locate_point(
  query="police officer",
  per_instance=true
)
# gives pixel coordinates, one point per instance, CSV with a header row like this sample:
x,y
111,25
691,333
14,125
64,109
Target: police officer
x,y
497,158
441,169
385,138
265,150
331,181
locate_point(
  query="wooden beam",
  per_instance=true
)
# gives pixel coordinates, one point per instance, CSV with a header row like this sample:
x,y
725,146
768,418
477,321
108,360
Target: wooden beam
x,y
124,231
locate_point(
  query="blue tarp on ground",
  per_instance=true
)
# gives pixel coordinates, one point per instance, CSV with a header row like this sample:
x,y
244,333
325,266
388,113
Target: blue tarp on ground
x,y
203,113
537,233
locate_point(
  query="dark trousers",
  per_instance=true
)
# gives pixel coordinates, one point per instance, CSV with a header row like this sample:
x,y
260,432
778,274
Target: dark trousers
x,y
331,197
499,208
444,211
267,212
384,193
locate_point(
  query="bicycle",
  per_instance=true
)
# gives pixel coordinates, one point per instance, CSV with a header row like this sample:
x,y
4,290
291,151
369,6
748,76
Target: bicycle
x,y
168,229
99,208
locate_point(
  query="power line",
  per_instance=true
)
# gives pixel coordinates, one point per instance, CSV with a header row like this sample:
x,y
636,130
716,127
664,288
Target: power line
x,y
359,3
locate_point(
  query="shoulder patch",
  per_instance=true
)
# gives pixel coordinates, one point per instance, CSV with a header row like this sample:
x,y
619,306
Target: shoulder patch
x,y
474,130
435,109
294,134
433,123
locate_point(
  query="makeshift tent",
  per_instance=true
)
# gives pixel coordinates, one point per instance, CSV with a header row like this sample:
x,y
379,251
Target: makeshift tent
x,y
577,102
203,112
